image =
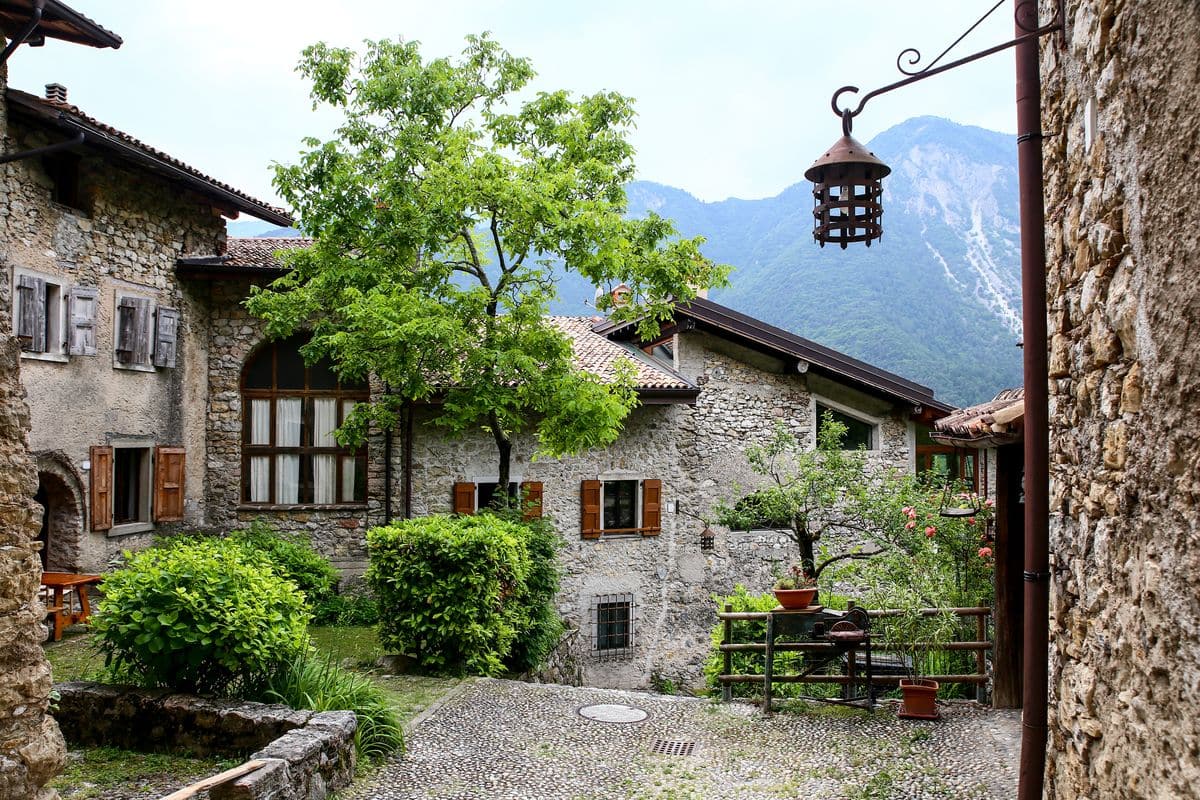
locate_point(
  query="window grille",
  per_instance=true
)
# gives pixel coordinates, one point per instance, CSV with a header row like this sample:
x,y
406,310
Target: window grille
x,y
612,617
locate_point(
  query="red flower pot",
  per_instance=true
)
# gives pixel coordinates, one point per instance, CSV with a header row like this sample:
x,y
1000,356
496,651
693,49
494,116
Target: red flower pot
x,y
795,598
920,699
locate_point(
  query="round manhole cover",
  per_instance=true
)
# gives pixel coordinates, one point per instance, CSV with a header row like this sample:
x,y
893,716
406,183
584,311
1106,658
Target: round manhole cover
x,y
613,712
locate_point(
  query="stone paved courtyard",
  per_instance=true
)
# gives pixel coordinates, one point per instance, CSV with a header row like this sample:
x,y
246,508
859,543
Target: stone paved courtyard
x,y
501,739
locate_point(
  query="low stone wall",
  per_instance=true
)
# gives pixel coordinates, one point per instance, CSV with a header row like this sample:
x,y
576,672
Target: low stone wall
x,y
564,664
308,754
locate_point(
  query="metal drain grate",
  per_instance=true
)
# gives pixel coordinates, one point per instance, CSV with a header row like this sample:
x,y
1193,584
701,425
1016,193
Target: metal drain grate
x,y
672,747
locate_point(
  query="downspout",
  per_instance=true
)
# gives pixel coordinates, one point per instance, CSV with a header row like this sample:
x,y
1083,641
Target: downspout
x,y
35,20
45,150
1037,476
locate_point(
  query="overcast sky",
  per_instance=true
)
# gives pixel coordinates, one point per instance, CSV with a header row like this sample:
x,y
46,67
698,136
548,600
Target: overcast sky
x,y
732,97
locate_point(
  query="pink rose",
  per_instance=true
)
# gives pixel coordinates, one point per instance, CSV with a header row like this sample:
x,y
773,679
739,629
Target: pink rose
x,y
930,531
970,520
985,552
910,525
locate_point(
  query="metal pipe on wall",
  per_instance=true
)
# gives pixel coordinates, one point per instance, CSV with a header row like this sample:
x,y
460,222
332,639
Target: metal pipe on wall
x,y
1037,447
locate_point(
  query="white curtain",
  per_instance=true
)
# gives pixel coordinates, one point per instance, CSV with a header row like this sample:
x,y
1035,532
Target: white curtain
x,y
287,434
260,466
348,464
324,466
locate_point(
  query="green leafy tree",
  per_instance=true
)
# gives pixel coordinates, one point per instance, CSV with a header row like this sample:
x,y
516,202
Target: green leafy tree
x,y
441,213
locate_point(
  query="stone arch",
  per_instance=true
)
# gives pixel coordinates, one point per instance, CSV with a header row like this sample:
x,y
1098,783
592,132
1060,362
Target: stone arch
x,y
64,517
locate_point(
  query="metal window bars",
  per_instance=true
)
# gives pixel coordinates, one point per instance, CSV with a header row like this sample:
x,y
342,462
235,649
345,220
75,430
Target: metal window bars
x,y
612,626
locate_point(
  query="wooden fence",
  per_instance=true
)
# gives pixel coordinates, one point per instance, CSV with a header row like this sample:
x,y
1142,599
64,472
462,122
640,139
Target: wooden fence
x,y
980,645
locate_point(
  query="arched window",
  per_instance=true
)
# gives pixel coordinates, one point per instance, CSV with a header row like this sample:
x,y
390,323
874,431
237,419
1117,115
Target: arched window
x,y
289,413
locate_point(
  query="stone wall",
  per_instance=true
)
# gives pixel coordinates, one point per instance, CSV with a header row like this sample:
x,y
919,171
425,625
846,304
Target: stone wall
x,y
31,747
127,240
309,755
1120,101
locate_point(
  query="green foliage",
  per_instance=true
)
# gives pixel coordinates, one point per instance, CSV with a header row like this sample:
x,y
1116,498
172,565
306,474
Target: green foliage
x,y
317,684
746,663
355,607
462,593
442,212
203,616
541,626
293,558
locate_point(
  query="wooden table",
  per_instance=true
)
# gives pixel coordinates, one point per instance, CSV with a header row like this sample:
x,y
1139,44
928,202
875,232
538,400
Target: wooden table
x,y
62,609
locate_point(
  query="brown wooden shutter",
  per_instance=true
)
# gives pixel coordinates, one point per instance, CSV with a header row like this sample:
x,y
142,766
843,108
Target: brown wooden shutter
x,y
166,334
531,499
31,316
81,339
141,347
464,498
168,484
101,479
651,507
589,501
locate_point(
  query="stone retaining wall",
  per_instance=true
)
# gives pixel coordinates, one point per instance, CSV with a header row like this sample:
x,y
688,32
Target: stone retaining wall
x,y
308,754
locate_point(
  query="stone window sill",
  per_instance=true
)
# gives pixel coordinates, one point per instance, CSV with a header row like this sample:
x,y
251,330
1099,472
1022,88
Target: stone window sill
x,y
127,528
303,507
57,358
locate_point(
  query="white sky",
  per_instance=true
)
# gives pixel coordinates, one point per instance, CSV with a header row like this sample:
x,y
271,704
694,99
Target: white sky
x,y
732,97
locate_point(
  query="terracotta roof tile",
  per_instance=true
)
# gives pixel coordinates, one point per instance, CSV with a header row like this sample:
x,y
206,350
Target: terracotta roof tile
x,y
998,421
598,355
259,253
59,21
98,133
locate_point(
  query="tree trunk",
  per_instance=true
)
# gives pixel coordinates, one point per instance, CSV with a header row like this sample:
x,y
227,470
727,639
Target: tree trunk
x,y
504,449
808,560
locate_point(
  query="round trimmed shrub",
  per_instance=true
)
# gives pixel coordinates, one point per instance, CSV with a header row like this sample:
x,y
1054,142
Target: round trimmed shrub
x,y
294,558
450,590
205,616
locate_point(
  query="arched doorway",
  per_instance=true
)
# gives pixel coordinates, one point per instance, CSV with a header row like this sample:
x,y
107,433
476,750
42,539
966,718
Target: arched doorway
x,y
60,493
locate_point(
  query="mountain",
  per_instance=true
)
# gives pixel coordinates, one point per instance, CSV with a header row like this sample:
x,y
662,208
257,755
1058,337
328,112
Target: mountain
x,y
937,300
252,228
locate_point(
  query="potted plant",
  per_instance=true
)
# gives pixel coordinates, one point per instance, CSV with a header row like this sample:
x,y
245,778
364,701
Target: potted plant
x,y
795,590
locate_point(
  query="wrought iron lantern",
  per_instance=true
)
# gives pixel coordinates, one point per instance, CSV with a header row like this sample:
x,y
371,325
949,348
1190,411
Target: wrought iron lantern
x,y
847,192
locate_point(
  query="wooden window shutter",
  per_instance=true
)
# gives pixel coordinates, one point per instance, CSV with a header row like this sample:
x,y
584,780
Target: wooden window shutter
x,y
141,346
168,484
81,339
126,335
166,334
531,499
589,501
101,480
464,498
31,317
651,507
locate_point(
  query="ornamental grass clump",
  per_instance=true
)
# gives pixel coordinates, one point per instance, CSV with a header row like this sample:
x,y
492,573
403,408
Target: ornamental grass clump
x,y
206,616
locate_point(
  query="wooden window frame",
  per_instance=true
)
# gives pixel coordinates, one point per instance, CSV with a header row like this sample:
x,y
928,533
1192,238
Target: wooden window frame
x,y
926,452
875,423
648,507
465,497
49,341
306,451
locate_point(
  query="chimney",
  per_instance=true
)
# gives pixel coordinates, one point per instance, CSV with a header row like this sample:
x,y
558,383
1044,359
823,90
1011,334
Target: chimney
x,y
56,92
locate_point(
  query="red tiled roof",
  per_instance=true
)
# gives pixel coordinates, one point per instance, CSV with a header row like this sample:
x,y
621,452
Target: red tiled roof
x,y
998,421
598,355
259,253
97,133
59,21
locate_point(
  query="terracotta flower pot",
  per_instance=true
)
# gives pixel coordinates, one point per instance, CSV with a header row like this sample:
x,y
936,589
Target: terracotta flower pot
x,y
920,699
795,598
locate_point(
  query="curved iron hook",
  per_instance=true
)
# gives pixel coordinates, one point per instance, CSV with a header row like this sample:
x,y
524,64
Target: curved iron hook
x,y
913,60
842,112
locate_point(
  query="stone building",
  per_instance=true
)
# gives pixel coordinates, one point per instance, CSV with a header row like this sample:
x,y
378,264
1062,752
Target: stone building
x,y
640,564
1121,96
113,348
31,746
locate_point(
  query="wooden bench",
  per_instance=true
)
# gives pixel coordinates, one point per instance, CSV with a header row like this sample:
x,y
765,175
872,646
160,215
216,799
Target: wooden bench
x,y
58,622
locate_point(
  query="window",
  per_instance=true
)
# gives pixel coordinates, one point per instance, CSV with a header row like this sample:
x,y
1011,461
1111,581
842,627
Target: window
x,y
289,413
621,506
860,434
471,497
134,484
66,188
612,626
131,485
38,315
941,462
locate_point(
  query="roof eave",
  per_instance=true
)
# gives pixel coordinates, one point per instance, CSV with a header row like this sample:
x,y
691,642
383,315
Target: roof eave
x,y
663,396
64,23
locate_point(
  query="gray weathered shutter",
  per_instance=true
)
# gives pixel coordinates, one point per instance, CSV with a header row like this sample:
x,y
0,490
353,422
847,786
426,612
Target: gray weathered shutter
x,y
126,337
166,334
81,339
31,323
141,348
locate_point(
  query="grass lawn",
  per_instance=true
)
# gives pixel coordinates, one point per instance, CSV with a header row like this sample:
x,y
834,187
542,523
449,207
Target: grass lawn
x,y
108,772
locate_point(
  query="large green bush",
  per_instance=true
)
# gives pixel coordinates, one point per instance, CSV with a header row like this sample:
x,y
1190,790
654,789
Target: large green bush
x,y
293,558
461,593
540,626
206,616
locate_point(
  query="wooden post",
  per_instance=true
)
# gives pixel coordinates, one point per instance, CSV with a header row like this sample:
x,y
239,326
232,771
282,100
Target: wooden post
x,y
1009,555
981,658
768,663
727,687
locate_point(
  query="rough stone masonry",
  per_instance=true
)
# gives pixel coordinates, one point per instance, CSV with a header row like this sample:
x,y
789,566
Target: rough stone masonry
x,y
1121,109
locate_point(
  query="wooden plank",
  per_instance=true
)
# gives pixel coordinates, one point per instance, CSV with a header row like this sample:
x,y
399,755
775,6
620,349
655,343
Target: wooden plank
x,y
216,780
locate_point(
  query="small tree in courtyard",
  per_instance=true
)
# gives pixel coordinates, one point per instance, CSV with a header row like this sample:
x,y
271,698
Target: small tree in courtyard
x,y
441,214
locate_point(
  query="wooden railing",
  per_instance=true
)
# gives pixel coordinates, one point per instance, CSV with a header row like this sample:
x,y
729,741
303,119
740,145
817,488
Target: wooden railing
x,y
981,646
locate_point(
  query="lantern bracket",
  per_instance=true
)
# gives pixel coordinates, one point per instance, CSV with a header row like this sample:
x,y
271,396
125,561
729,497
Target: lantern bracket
x,y
1026,20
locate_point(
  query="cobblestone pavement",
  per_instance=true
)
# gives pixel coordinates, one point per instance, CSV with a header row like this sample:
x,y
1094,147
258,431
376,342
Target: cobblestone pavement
x,y
501,739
